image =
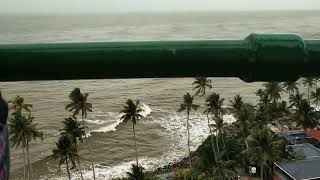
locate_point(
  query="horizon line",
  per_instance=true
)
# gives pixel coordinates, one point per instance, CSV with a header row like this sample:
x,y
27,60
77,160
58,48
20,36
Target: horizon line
x,y
156,12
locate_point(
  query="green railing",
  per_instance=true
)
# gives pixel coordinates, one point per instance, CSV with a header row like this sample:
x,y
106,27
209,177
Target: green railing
x,y
259,57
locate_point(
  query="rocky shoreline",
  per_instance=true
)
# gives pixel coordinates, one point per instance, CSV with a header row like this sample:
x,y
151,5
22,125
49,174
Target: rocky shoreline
x,y
173,166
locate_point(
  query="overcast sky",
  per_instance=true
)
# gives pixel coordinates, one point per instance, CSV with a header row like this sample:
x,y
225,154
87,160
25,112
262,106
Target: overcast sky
x,y
114,6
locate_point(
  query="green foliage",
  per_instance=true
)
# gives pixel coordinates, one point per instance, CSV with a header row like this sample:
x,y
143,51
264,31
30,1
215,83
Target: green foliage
x,y
206,160
306,116
295,99
136,172
246,117
290,87
17,105
131,111
237,104
22,130
64,151
214,104
315,95
264,148
200,85
79,103
187,104
73,129
273,90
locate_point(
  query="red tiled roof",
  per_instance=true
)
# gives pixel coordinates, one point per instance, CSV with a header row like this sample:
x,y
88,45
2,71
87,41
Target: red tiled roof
x,y
315,134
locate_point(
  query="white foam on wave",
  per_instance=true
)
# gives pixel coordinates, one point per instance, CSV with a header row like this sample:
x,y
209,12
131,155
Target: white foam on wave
x,y
174,125
94,121
116,120
110,127
106,172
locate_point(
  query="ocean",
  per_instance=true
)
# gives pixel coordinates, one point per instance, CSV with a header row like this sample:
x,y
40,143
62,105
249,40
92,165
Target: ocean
x,y
161,135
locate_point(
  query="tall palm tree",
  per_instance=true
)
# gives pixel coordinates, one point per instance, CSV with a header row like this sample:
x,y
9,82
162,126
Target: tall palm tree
x,y
79,103
187,106
244,118
295,99
309,82
136,173
17,105
263,97
273,90
132,112
214,104
215,107
315,95
64,152
22,132
305,116
201,85
290,87
219,128
237,103
264,148
75,131
224,170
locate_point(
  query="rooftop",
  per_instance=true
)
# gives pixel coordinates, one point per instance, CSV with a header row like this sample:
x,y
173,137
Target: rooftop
x,y
314,133
301,169
304,150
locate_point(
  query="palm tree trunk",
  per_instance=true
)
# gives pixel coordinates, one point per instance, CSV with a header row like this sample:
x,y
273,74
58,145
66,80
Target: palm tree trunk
x,y
212,144
80,168
261,171
89,148
217,143
135,143
309,94
24,163
225,147
211,137
68,171
29,163
190,162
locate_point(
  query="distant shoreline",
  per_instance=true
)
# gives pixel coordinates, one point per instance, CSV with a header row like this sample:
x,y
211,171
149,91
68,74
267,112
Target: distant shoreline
x,y
154,12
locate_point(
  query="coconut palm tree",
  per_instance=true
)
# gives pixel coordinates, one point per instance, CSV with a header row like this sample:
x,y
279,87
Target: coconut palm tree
x,y
244,118
79,103
201,85
295,99
136,173
263,97
315,95
214,104
306,116
219,127
73,128
263,148
237,104
273,90
309,82
64,152
22,132
223,170
290,87
187,106
75,131
17,105
132,112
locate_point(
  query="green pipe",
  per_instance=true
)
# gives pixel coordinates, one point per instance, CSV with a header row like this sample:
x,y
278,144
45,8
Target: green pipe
x,y
259,57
